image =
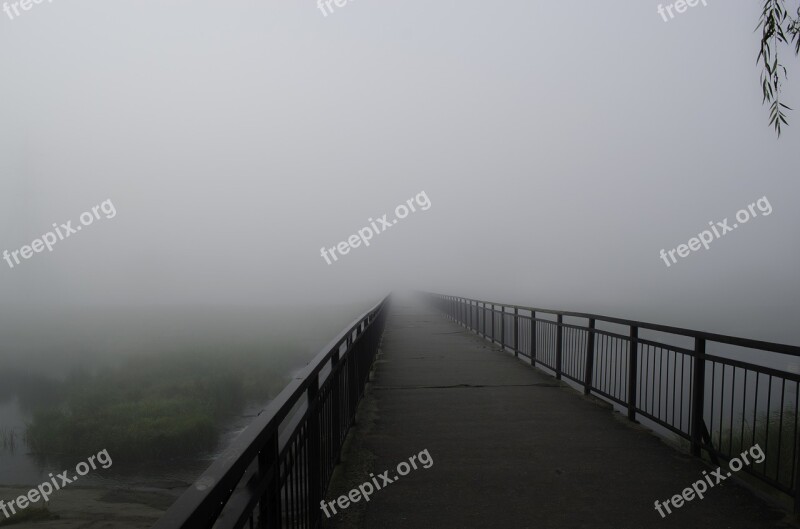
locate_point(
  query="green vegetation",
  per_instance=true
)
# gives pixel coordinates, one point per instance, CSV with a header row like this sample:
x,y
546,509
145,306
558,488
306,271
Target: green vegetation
x,y
778,28
776,438
8,439
155,406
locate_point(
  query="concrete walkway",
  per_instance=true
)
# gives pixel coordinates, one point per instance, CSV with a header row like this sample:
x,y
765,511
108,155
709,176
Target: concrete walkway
x,y
511,447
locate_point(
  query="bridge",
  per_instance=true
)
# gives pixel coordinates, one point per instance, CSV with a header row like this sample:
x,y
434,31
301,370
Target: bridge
x,y
440,411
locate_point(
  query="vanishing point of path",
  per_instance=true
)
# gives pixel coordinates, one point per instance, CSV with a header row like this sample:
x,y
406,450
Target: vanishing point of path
x,y
511,446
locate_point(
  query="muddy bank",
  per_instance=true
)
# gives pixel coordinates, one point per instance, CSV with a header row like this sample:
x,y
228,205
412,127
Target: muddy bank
x,y
95,508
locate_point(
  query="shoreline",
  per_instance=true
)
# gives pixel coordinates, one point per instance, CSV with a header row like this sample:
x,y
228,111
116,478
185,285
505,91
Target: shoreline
x,y
97,507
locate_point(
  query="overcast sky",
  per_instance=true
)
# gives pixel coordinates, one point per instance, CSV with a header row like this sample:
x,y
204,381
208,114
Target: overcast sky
x,y
562,145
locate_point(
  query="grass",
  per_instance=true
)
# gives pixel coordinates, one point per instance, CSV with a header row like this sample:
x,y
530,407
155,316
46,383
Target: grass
x,y
775,433
8,439
155,406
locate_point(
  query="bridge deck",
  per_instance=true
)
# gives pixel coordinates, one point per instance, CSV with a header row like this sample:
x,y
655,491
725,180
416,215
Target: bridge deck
x,y
511,447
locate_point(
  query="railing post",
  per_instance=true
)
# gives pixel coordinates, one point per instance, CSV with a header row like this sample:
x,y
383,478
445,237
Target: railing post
x,y
698,395
588,375
352,390
336,417
503,327
633,371
472,325
797,476
270,504
516,332
314,451
559,343
533,338
245,486
492,322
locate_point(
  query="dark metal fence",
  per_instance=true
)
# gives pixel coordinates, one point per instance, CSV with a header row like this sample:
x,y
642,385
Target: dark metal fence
x,y
276,471
702,387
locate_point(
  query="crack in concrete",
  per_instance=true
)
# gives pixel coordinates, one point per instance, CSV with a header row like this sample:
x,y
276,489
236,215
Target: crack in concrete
x,y
462,386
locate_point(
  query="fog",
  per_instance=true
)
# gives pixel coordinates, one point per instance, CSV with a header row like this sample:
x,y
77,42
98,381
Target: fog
x,y
562,146
195,197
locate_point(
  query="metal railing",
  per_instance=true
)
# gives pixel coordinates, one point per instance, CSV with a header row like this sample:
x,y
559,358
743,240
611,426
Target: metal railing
x,y
698,390
275,473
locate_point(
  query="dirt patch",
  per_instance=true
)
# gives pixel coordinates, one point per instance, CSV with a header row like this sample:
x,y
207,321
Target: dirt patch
x,y
96,508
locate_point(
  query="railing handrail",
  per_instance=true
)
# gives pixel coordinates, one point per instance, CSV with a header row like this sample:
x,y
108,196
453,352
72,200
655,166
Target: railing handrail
x,y
199,503
774,347
710,410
